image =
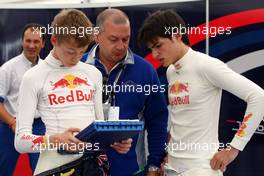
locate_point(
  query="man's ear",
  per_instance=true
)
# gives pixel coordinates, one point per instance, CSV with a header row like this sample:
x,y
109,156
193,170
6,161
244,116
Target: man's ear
x,y
96,37
53,40
176,37
43,44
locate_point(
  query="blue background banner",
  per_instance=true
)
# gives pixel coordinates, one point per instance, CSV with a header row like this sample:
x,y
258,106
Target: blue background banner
x,y
242,50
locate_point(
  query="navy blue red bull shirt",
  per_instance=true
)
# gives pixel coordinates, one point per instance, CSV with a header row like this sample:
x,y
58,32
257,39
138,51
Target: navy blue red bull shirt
x,y
139,95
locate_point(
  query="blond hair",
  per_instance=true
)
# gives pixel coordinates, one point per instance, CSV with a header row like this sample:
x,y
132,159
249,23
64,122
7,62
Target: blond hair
x,y
73,24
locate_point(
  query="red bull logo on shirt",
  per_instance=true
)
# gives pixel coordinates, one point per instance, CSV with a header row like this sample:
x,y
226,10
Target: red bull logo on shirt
x,y
37,141
241,131
178,88
179,93
70,82
240,128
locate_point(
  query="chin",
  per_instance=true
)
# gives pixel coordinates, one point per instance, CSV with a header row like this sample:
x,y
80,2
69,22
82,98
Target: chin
x,y
75,63
71,64
165,64
30,56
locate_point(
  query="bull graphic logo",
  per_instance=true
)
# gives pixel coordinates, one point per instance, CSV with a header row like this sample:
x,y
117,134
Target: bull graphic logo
x,y
241,131
69,81
38,141
178,88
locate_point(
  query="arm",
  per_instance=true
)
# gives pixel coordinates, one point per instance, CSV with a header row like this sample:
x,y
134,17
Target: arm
x,y
221,76
7,118
98,96
5,82
156,119
25,141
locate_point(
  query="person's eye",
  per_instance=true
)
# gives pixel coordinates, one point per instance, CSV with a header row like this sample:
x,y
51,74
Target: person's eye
x,y
36,41
125,40
71,53
113,39
158,45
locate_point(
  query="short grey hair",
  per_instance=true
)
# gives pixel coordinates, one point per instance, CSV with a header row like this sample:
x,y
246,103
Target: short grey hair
x,y
117,17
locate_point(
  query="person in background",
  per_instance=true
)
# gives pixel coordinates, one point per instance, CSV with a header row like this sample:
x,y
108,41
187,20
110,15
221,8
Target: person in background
x,y
11,74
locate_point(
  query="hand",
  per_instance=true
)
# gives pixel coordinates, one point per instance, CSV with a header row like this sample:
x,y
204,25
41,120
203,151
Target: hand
x,y
153,173
66,139
222,158
122,147
162,170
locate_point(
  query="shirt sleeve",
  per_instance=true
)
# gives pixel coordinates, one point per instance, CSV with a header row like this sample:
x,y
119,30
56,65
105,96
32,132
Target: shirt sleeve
x,y
168,74
98,96
156,121
5,82
25,141
223,77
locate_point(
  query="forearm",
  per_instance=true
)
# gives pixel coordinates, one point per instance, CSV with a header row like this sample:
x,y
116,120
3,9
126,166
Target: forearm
x,y
26,142
253,116
29,143
254,96
243,88
157,137
98,99
156,149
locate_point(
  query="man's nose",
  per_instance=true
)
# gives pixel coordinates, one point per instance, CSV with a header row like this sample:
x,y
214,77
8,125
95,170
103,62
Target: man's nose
x,y
120,45
155,53
31,45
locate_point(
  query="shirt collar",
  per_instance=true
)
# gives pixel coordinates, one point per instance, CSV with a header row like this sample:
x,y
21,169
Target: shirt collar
x,y
28,61
184,60
94,55
51,60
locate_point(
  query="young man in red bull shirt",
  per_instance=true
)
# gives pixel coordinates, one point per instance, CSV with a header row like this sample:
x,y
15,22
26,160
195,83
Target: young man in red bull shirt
x,y
11,74
196,81
68,96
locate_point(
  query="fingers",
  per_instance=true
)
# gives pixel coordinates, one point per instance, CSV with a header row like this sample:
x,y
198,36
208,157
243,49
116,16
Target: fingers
x,y
123,146
153,173
165,160
67,137
223,167
73,139
216,162
217,165
213,163
127,141
70,135
162,166
73,130
219,161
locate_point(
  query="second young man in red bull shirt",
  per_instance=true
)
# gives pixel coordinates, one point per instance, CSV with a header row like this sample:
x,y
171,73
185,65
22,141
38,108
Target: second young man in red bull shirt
x,y
198,78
